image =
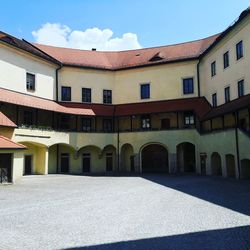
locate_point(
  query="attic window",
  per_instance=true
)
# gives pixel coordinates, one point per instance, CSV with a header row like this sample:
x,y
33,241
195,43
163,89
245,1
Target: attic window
x,y
157,57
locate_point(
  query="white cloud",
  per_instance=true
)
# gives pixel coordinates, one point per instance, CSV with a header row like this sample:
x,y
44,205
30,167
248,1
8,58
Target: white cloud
x,y
61,35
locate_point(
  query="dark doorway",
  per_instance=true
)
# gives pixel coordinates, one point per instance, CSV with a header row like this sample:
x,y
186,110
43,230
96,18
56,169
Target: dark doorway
x,y
27,164
65,163
86,163
5,168
109,162
154,159
216,164
186,157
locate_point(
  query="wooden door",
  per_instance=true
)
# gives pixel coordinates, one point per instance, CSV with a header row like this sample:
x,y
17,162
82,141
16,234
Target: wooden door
x,y
64,163
28,164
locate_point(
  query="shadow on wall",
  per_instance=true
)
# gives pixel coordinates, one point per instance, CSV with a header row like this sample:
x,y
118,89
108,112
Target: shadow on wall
x,y
231,238
230,193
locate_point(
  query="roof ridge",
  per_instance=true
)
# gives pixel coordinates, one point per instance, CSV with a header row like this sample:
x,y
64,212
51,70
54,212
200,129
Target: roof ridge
x,y
129,50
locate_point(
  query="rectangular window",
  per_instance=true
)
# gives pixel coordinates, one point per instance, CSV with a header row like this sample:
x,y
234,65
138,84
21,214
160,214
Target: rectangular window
x,y
86,124
240,88
28,118
188,86
66,94
213,68
145,91
239,50
226,59
145,122
107,125
227,94
188,118
86,95
214,100
30,81
107,96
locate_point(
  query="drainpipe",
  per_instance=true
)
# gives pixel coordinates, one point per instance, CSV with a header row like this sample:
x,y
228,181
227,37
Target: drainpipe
x,y
57,70
237,143
198,77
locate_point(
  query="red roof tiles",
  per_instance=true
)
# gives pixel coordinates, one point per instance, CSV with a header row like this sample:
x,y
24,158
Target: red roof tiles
x,y
9,96
130,58
230,107
6,143
199,105
5,121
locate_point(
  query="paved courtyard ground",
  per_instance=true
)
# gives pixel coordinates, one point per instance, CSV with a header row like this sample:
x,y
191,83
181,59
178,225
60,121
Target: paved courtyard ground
x,y
141,212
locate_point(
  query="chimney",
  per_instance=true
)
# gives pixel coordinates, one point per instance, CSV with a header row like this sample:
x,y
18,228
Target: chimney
x,y
93,49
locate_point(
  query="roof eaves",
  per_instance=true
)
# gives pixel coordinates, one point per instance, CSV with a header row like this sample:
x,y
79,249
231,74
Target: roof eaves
x,y
242,16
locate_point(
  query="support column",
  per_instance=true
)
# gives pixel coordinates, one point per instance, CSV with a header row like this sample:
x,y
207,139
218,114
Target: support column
x,y
208,165
137,163
46,161
223,165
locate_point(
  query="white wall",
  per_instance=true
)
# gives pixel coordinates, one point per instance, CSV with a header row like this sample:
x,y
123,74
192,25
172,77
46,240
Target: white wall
x,y
13,67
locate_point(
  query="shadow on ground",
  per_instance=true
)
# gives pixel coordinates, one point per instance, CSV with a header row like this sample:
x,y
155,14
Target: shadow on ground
x,y
232,238
229,193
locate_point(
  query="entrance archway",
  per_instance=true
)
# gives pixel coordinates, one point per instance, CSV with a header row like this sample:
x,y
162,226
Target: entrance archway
x,y
60,158
230,164
216,164
186,157
245,169
154,158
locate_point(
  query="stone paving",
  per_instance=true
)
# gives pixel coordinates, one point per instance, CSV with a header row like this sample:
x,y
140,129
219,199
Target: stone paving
x,y
137,212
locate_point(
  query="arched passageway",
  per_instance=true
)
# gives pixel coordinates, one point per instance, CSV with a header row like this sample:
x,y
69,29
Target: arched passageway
x,y
154,158
230,165
186,157
60,158
35,158
127,158
216,168
89,161
109,152
245,169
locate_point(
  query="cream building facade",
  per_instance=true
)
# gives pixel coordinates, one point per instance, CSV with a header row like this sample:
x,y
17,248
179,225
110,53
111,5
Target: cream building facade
x,y
181,108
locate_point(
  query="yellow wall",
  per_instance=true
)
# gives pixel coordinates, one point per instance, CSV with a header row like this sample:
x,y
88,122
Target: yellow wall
x,y
17,63
165,82
77,79
236,71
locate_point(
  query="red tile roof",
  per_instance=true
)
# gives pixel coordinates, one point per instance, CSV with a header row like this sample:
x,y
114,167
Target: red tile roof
x,y
16,98
130,58
199,105
6,143
230,107
5,121
97,109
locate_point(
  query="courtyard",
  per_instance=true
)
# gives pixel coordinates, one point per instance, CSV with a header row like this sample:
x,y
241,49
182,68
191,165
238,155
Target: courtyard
x,y
125,212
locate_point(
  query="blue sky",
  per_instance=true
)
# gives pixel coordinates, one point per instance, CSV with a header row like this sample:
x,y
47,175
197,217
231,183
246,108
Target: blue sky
x,y
154,23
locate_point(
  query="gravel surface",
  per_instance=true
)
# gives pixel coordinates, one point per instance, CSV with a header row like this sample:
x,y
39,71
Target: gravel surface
x,y
140,212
